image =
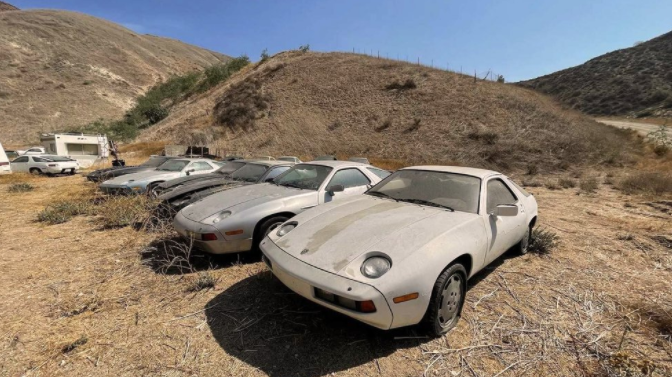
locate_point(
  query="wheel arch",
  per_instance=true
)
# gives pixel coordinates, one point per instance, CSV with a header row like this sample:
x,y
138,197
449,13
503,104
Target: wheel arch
x,y
533,222
257,227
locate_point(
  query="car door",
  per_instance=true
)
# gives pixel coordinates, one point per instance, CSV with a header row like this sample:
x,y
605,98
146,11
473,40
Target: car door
x,y
503,231
20,164
353,180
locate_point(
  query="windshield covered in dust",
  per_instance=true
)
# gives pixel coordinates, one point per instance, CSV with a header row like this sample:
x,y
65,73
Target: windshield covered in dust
x,y
173,165
439,189
304,176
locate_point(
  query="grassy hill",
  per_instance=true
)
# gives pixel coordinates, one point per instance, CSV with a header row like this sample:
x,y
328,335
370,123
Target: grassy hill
x,y
62,69
5,7
635,81
308,104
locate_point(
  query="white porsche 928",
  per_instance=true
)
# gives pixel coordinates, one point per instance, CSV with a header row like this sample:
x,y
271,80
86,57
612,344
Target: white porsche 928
x,y
402,254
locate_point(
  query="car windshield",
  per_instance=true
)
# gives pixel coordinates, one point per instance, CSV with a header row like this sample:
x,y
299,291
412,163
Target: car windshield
x,y
445,190
154,162
173,165
304,176
249,173
57,158
230,167
290,159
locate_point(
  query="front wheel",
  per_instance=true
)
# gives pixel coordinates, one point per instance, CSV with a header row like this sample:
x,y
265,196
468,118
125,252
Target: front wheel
x,y
445,306
35,171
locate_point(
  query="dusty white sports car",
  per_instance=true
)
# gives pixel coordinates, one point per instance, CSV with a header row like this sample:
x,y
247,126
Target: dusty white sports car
x,y
402,253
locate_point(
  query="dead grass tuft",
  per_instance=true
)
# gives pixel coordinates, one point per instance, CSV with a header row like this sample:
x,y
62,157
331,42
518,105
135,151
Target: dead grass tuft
x,y
144,149
589,185
122,211
647,183
567,183
204,280
74,345
543,241
396,85
64,210
20,187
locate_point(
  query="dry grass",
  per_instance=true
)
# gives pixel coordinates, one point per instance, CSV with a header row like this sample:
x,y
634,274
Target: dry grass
x,y
447,117
594,306
20,187
50,54
656,183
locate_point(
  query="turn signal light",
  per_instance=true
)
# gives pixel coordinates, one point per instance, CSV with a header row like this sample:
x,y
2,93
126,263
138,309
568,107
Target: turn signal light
x,y
366,306
208,237
234,232
404,298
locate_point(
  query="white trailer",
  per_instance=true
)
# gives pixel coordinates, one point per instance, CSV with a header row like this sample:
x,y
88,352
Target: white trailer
x,y
86,149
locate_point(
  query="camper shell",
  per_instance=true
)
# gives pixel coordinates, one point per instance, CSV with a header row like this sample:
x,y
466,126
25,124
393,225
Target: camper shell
x,y
86,149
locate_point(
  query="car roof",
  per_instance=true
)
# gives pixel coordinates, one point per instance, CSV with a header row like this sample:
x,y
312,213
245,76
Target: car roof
x,y
480,173
334,164
191,159
270,162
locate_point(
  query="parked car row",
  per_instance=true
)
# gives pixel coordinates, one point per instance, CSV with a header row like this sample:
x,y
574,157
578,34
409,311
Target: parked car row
x,y
388,249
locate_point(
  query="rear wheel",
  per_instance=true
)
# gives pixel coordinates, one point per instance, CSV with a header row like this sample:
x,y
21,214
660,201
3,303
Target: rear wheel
x,y
445,306
35,171
267,227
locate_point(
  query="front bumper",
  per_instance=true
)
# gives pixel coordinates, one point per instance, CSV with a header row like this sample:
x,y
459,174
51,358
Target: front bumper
x,y
191,231
303,278
115,190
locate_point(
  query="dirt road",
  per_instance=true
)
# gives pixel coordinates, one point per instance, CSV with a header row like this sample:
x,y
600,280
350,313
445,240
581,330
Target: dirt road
x,y
643,128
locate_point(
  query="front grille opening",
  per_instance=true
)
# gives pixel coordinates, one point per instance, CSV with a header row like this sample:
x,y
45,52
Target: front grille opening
x,y
358,306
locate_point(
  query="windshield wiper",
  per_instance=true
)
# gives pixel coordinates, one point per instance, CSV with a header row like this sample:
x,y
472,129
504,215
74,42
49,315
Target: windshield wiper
x,y
382,194
294,185
427,203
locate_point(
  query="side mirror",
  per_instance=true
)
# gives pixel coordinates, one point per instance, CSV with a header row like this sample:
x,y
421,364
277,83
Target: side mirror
x,y
334,189
505,210
190,171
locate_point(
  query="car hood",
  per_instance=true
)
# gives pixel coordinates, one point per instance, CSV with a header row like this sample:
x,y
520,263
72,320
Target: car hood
x,y
143,176
177,191
117,171
190,179
334,238
245,197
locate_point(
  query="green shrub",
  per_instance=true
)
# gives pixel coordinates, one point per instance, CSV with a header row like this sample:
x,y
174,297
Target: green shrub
x,y
264,55
20,187
304,48
218,73
543,241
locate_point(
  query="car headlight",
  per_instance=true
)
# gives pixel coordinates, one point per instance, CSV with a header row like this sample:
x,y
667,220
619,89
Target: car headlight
x,y
375,267
286,228
221,216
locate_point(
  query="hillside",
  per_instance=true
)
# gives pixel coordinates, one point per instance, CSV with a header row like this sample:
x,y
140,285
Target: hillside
x,y
307,104
4,6
635,81
62,69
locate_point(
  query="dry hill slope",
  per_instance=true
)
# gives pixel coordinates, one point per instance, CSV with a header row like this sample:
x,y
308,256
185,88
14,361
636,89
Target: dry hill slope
x,y
5,7
63,69
632,81
313,103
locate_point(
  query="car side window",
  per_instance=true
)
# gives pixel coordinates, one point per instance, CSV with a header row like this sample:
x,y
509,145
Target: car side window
x,y
499,193
382,174
200,166
277,171
21,159
37,159
34,150
349,178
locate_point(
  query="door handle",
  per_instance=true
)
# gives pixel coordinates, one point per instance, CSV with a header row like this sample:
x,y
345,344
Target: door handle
x,y
307,207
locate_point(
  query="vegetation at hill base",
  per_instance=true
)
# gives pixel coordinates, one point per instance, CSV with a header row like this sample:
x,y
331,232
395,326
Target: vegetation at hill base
x,y
155,105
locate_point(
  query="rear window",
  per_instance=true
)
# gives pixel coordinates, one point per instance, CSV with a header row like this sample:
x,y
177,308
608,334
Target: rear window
x,y
522,190
154,161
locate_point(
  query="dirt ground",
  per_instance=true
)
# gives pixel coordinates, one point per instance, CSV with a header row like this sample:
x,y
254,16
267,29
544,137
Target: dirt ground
x,y
80,300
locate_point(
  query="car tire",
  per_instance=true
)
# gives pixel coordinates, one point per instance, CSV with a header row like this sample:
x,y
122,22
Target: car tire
x,y
445,306
35,171
267,226
523,246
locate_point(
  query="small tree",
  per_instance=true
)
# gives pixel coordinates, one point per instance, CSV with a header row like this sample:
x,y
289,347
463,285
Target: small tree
x,y
500,79
304,48
264,55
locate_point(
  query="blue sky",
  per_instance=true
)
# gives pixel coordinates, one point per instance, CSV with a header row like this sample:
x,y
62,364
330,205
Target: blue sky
x,y
519,39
